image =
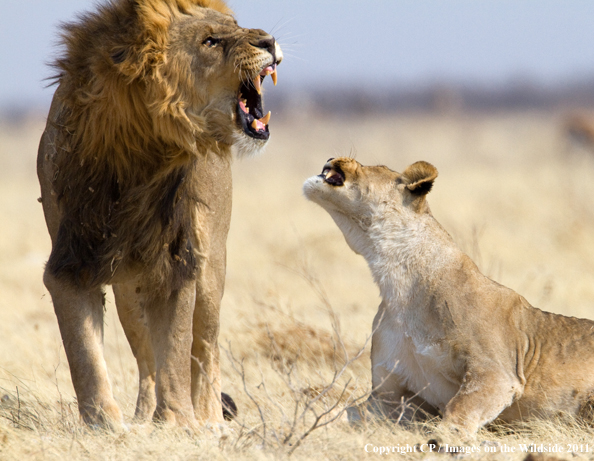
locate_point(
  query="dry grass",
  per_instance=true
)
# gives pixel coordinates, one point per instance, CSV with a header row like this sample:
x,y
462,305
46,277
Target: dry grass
x,y
299,304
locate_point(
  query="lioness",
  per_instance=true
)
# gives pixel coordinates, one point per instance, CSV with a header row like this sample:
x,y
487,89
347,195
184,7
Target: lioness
x,y
135,175
469,347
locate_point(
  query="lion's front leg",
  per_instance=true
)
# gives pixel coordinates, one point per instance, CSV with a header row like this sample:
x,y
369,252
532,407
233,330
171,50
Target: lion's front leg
x,y
206,375
130,302
213,219
80,318
169,320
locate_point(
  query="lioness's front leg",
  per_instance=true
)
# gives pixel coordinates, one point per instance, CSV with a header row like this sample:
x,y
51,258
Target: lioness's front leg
x,y
384,401
390,399
484,394
169,319
80,318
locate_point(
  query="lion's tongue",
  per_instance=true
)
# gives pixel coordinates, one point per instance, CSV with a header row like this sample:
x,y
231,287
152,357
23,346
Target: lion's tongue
x,y
270,70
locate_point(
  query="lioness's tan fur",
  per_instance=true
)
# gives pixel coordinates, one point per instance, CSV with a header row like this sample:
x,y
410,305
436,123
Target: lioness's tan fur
x,y
466,345
134,167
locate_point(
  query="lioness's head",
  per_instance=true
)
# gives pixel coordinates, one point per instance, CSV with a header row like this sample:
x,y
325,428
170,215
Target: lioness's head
x,y
180,71
357,196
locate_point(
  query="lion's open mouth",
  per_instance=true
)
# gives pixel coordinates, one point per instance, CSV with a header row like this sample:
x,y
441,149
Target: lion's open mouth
x,y
250,109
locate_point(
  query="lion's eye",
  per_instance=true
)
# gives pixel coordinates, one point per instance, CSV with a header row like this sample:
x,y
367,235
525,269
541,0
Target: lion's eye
x,y
211,41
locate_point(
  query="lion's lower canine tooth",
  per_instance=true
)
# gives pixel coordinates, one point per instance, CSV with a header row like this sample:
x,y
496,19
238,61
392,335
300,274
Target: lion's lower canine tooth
x,y
266,118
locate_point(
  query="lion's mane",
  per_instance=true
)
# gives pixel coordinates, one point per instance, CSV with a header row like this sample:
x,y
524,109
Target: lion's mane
x,y
130,146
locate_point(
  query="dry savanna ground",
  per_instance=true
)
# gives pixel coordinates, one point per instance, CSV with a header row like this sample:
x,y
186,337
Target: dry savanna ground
x,y
299,304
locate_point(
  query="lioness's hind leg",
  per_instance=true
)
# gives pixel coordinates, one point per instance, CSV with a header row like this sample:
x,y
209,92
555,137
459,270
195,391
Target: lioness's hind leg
x,y
130,303
80,318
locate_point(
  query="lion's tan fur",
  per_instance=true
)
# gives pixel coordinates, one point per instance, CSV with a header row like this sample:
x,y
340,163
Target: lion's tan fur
x,y
469,347
134,167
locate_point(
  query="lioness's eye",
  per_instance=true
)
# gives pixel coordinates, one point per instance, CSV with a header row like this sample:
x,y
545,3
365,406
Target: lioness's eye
x,y
210,42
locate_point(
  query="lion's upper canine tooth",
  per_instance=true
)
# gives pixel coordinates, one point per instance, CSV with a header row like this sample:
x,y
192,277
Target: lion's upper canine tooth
x,y
257,84
266,119
273,75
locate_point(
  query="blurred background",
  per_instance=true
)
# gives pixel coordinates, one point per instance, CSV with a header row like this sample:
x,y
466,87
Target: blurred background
x,y
386,55
497,94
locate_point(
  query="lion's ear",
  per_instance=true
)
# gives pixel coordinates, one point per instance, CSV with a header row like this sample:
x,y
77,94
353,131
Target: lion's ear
x,y
419,178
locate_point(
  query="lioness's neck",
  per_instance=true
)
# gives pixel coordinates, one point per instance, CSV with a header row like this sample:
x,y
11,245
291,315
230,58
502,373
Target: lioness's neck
x,y
407,253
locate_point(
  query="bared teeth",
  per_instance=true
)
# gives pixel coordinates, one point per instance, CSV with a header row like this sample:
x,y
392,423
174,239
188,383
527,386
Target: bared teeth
x,y
266,119
333,177
260,124
270,70
257,84
257,125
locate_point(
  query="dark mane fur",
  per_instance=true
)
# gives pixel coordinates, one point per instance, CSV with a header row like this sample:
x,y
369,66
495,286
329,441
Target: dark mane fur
x,y
107,222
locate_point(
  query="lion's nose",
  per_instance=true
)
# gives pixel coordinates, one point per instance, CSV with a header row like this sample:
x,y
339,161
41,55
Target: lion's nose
x,y
268,43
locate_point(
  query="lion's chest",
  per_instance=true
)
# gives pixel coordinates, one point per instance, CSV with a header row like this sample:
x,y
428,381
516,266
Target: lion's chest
x,y
423,366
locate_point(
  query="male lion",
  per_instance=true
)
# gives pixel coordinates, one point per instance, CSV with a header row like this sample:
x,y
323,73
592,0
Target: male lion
x,y
134,166
467,346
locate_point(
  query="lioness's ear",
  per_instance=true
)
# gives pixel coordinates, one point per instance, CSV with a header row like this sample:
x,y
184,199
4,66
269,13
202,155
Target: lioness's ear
x,y
419,177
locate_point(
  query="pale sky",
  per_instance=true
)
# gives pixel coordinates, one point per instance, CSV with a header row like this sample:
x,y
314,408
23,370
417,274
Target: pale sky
x,y
404,42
